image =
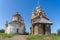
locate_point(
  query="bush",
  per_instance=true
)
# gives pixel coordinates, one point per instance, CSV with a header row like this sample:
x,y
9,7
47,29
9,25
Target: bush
x,y
2,31
53,34
27,33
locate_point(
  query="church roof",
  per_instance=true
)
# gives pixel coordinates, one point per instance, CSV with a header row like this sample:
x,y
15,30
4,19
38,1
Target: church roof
x,y
42,20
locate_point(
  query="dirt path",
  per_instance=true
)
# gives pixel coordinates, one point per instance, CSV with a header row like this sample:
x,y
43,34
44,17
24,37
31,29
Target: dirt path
x,y
17,37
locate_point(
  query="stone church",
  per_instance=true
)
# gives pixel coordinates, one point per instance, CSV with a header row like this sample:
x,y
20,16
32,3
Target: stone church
x,y
16,26
40,22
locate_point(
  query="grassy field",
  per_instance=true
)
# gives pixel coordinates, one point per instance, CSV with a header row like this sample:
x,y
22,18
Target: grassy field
x,y
43,37
34,37
6,35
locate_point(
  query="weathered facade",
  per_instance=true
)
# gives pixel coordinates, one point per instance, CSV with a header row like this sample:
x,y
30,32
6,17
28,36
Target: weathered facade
x,y
16,26
40,22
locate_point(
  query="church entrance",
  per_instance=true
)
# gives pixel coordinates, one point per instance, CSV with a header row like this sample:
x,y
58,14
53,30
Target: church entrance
x,y
17,30
43,28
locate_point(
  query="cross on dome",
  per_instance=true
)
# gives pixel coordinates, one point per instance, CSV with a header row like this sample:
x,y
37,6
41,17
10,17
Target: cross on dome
x,y
38,7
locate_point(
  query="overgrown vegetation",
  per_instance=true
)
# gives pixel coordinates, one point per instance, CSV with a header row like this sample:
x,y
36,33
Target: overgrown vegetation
x,y
27,33
43,37
6,35
2,31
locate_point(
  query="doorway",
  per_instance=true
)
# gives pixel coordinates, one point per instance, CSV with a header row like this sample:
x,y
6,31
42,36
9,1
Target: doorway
x,y
43,28
17,30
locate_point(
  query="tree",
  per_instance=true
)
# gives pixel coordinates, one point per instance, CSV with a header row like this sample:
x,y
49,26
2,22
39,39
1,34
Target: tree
x,y
58,31
2,31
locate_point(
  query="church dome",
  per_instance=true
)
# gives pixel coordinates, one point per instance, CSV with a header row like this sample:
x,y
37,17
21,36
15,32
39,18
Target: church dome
x,y
38,8
17,14
17,17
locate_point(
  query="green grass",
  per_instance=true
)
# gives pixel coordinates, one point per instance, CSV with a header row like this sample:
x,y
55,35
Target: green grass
x,y
6,35
40,37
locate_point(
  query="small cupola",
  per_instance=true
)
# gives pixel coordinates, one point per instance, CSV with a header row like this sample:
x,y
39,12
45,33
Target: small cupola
x,y
38,9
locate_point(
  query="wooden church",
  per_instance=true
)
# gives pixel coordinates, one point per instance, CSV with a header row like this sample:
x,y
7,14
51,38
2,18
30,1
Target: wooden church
x,y
40,22
16,26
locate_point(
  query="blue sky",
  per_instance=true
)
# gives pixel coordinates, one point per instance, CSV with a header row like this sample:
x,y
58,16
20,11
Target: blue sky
x,y
25,8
